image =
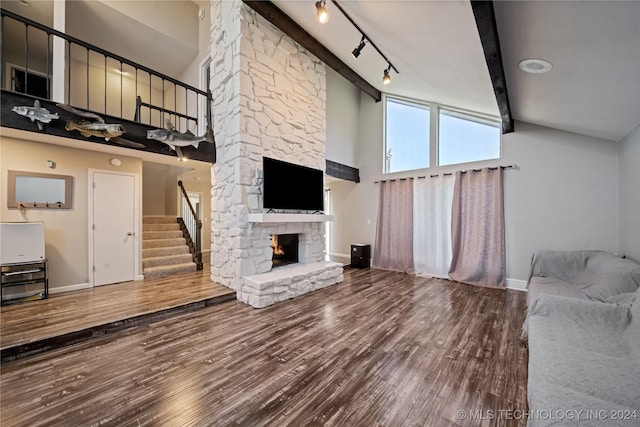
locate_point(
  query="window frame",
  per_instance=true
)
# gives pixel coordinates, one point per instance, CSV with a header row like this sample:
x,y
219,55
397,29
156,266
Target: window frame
x,y
434,129
411,103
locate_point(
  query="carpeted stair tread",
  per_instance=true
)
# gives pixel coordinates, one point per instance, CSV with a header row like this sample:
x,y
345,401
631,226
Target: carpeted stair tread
x,y
159,220
153,235
161,227
155,272
163,243
159,261
165,251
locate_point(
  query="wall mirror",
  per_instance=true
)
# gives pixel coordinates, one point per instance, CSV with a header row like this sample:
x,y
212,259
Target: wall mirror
x,y
39,190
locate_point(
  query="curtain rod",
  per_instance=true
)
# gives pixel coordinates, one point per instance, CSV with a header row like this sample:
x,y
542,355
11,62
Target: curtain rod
x,y
447,173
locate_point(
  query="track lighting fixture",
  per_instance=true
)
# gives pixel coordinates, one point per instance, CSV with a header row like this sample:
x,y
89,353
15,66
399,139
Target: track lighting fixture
x,y
356,51
386,79
323,16
321,11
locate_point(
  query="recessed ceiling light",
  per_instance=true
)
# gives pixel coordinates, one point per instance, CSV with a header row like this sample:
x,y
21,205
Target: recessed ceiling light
x,y
535,66
24,2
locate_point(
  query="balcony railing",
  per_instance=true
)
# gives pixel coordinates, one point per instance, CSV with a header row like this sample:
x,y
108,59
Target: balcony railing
x,y
95,79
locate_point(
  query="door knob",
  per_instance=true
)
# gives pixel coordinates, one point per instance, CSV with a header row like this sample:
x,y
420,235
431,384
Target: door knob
x,y
130,234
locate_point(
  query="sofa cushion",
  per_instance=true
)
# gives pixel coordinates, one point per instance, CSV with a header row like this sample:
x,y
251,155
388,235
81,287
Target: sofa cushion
x,y
607,275
583,355
594,275
564,265
552,286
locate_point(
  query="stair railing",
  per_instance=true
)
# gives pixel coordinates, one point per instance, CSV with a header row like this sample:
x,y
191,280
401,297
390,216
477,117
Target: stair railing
x,y
87,89
191,227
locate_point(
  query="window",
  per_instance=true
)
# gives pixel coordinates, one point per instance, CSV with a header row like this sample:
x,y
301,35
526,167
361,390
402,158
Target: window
x,y
407,136
465,139
419,136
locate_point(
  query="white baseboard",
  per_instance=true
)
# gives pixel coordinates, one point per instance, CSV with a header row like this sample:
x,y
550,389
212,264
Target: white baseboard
x,y
69,288
517,284
139,277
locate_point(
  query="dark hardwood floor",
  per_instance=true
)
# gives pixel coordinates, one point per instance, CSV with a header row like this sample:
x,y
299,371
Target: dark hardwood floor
x,y
381,348
88,308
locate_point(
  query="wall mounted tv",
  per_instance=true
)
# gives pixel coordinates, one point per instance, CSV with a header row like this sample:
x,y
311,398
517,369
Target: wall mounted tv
x,y
290,186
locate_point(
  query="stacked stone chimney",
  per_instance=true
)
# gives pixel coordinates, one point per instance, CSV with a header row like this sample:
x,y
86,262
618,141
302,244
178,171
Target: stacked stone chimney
x,y
269,100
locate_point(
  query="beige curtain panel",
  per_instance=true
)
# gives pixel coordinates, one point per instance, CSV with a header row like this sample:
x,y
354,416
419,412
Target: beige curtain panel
x,y
477,229
394,232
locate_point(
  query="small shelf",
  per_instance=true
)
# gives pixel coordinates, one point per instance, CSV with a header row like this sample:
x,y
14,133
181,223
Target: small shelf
x,y
284,218
25,274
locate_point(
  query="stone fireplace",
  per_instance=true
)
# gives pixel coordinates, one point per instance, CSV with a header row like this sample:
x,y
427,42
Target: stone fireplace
x,y
285,249
269,100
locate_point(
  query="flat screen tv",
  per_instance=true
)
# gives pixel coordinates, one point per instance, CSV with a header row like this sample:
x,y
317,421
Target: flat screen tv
x,y
290,186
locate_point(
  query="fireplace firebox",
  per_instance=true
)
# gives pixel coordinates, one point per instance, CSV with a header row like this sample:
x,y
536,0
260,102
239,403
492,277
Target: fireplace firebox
x,y
285,249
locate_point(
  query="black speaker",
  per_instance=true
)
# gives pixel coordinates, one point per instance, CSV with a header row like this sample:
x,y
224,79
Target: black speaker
x,y
360,256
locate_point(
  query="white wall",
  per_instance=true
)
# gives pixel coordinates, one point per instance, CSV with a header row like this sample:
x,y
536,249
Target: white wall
x,y
343,109
629,164
563,196
66,230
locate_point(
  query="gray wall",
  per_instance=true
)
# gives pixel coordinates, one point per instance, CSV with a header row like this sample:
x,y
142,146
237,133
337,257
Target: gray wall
x,y
629,164
343,106
563,196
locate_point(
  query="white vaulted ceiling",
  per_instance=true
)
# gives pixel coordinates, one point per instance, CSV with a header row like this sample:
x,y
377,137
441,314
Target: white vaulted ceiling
x,y
594,46
434,45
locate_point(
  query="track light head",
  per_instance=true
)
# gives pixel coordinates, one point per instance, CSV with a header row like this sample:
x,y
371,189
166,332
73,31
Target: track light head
x,y
386,78
356,52
321,11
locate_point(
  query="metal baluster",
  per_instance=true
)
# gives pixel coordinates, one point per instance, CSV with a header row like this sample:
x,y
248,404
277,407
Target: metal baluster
x,y
162,112
26,57
69,72
105,84
150,98
48,70
120,88
137,112
87,78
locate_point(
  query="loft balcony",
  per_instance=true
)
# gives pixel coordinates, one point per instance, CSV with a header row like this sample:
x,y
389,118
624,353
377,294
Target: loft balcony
x,y
85,87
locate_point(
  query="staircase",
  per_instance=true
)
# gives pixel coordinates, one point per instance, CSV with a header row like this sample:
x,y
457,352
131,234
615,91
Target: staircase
x,y
164,250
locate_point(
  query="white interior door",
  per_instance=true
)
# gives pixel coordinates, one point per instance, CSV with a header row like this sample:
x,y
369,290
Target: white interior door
x,y
114,228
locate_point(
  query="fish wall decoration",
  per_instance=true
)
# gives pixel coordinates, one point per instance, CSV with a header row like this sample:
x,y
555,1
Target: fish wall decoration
x,y
175,139
36,113
96,126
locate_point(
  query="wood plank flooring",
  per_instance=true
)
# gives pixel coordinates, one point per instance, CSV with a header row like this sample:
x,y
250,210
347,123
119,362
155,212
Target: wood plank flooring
x,y
379,349
81,310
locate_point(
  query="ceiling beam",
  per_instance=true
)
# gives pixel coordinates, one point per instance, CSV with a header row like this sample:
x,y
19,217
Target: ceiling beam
x,y
488,30
284,23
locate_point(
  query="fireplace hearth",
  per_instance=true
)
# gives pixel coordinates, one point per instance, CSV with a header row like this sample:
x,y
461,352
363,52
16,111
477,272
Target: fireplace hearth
x,y
285,249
